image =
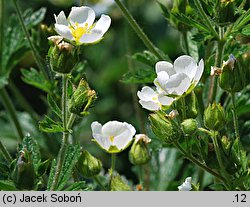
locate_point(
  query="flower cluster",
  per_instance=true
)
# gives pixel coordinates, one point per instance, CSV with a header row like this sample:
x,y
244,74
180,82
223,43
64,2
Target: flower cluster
x,y
172,81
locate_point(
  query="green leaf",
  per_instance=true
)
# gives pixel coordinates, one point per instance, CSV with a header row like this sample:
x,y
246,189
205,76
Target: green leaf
x,y
42,168
73,153
146,75
7,185
53,105
31,145
164,9
190,22
49,125
36,78
81,185
146,58
241,21
32,19
246,30
51,174
3,80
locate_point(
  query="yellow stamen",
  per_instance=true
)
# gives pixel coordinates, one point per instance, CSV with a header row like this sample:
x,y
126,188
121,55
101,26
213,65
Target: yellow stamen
x,y
78,31
112,138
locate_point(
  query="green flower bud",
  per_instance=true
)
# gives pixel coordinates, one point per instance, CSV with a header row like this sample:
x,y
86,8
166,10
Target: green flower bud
x,y
164,128
82,99
24,173
233,78
214,117
61,55
189,126
118,184
139,153
88,165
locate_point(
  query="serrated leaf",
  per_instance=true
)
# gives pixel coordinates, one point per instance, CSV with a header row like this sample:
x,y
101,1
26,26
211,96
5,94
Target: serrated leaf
x,y
246,30
73,152
146,58
53,105
36,78
7,185
81,185
31,145
241,21
145,75
49,125
164,9
51,174
32,19
190,22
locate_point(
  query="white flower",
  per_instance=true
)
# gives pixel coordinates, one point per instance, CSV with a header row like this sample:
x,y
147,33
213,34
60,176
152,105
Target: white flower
x,y
142,137
79,25
178,78
186,186
153,100
113,136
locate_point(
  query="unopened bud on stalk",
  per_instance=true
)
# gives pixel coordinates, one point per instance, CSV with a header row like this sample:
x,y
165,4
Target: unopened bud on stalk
x,y
24,173
82,99
61,55
233,77
164,128
189,126
214,117
139,153
88,165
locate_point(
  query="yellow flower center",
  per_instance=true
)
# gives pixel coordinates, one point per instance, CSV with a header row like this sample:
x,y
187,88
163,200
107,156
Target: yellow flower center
x,y
112,138
78,31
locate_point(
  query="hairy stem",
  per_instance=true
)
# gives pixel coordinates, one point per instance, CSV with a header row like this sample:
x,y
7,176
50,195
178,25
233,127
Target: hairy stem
x,y
112,169
32,46
1,32
62,151
184,34
235,118
138,30
201,165
12,112
5,153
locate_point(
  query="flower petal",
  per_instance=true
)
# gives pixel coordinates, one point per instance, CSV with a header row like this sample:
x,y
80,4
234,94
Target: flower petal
x,y
94,36
82,15
150,105
164,66
102,24
199,71
185,64
165,100
103,141
162,78
123,139
64,31
96,127
61,18
146,94
113,128
178,84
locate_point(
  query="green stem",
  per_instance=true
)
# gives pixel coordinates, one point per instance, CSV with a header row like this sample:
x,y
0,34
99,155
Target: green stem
x,y
140,174
71,121
206,18
5,153
97,180
184,34
235,118
12,112
138,30
112,169
183,108
1,32
201,165
32,46
62,151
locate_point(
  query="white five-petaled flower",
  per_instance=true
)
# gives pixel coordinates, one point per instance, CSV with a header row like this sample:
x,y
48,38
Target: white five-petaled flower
x,y
186,186
153,100
178,78
80,26
114,136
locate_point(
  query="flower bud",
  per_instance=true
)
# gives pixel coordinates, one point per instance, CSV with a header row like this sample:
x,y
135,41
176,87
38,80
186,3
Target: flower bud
x,y
214,117
88,165
82,99
164,128
61,55
226,12
24,173
118,184
139,153
189,126
233,78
